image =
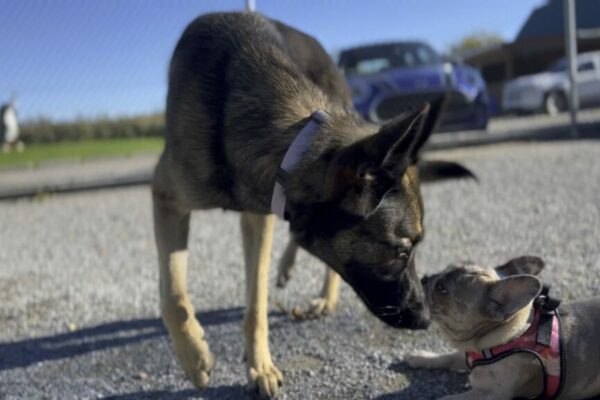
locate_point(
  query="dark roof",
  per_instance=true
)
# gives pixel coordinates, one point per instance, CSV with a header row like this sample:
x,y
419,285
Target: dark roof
x,y
548,20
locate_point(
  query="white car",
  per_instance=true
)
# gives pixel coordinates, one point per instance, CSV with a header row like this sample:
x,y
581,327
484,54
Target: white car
x,y
547,91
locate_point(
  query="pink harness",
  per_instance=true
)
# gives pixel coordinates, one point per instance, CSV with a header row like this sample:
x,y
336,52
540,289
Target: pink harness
x,y
543,339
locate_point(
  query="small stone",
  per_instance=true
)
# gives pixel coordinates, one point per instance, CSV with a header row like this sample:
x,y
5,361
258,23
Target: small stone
x,y
142,376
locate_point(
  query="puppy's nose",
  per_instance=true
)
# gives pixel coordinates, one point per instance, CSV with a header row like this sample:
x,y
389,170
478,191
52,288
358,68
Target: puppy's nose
x,y
421,318
421,322
424,280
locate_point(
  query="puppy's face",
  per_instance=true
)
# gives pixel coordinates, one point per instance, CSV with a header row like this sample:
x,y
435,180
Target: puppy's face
x,y
467,300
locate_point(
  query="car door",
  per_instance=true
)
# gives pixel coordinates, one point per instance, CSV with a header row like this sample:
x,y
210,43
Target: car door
x,y
588,80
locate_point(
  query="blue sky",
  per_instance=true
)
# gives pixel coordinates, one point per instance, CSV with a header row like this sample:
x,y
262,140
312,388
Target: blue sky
x,y
77,58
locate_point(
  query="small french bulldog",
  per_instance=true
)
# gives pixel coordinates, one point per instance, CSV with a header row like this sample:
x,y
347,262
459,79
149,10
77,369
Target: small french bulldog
x,y
494,317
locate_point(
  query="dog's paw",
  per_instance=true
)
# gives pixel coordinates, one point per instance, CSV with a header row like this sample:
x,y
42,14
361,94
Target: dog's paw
x,y
421,359
265,380
317,308
195,358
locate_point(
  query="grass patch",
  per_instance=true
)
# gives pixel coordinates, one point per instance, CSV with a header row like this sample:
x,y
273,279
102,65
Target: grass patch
x,y
36,153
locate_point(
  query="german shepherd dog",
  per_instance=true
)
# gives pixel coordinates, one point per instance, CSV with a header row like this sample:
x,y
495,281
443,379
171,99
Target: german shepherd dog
x,y
241,87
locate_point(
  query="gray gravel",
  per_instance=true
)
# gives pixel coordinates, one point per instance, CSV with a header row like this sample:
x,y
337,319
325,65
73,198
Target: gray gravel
x,y
78,285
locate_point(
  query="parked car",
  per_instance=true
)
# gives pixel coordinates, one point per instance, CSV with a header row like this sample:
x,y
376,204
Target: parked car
x,y
391,78
548,91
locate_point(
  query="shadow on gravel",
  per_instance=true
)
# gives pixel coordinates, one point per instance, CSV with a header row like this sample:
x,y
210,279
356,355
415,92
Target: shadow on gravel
x,y
114,334
233,392
426,384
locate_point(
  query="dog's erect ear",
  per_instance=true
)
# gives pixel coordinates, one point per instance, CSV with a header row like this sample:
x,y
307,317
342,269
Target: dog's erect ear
x,y
507,296
393,145
432,120
398,143
521,265
383,157
432,171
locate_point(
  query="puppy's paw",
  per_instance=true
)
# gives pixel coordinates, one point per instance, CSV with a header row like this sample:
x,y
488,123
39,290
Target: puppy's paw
x,y
421,359
265,380
317,308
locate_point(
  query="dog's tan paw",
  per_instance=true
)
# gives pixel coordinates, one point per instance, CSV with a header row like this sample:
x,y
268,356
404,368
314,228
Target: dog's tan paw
x,y
317,308
421,359
266,380
195,358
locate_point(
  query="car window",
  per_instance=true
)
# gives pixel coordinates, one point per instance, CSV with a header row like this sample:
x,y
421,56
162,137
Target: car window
x,y
559,66
586,66
372,66
426,56
370,60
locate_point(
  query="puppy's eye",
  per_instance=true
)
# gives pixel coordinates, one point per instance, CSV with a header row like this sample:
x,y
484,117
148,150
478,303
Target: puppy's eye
x,y
441,288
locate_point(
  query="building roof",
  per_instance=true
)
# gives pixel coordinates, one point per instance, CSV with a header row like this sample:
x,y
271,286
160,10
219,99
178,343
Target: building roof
x,y
548,20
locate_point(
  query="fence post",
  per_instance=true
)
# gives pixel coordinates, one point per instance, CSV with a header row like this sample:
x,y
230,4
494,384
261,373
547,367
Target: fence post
x,y
571,52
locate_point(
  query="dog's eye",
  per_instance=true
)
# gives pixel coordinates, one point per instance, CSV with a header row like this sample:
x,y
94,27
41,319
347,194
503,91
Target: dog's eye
x,y
441,288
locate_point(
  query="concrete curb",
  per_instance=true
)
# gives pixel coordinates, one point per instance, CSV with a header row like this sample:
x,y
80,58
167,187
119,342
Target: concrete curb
x,y
78,186
442,141
445,141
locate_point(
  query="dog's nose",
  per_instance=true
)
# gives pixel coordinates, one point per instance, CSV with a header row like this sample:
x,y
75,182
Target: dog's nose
x,y
424,280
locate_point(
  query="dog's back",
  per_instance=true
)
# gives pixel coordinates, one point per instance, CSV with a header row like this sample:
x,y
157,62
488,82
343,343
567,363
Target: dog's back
x,y
310,57
581,327
232,85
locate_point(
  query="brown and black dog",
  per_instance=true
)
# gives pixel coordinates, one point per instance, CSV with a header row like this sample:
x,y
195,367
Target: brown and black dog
x,y
241,87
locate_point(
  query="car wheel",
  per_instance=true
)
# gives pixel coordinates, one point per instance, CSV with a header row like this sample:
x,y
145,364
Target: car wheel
x,y
554,103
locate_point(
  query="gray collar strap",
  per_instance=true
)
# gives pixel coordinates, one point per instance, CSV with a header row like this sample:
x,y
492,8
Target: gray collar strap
x,y
292,158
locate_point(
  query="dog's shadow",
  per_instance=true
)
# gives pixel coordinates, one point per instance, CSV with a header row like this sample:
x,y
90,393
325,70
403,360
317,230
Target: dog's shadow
x,y
24,353
232,392
426,384
21,354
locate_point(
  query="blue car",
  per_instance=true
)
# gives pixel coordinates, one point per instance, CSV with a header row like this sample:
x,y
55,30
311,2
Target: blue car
x,y
392,78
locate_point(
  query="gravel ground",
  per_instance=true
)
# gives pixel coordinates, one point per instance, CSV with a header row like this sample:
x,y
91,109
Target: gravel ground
x,y
78,285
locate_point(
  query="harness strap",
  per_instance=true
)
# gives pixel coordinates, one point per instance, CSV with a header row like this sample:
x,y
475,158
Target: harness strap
x,y
543,339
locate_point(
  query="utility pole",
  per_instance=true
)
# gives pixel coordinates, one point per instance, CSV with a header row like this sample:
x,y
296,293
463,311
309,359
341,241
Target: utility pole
x,y
571,52
250,5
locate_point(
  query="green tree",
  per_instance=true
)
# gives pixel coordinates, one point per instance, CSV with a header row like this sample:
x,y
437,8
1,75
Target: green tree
x,y
472,42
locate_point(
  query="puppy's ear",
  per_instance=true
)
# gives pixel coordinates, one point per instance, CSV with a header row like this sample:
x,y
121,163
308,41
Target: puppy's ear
x,y
509,295
432,171
521,265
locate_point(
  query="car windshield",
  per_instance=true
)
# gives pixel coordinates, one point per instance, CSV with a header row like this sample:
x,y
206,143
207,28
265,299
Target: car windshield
x,y
374,59
559,66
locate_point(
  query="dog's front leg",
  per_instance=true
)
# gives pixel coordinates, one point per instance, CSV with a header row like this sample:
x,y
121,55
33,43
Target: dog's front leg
x,y
257,232
429,360
171,226
477,394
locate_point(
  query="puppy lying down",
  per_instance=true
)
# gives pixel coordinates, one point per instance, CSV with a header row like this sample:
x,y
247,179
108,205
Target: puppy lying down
x,y
516,340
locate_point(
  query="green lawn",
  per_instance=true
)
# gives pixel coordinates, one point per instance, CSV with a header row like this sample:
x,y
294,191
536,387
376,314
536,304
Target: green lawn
x,y
85,149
